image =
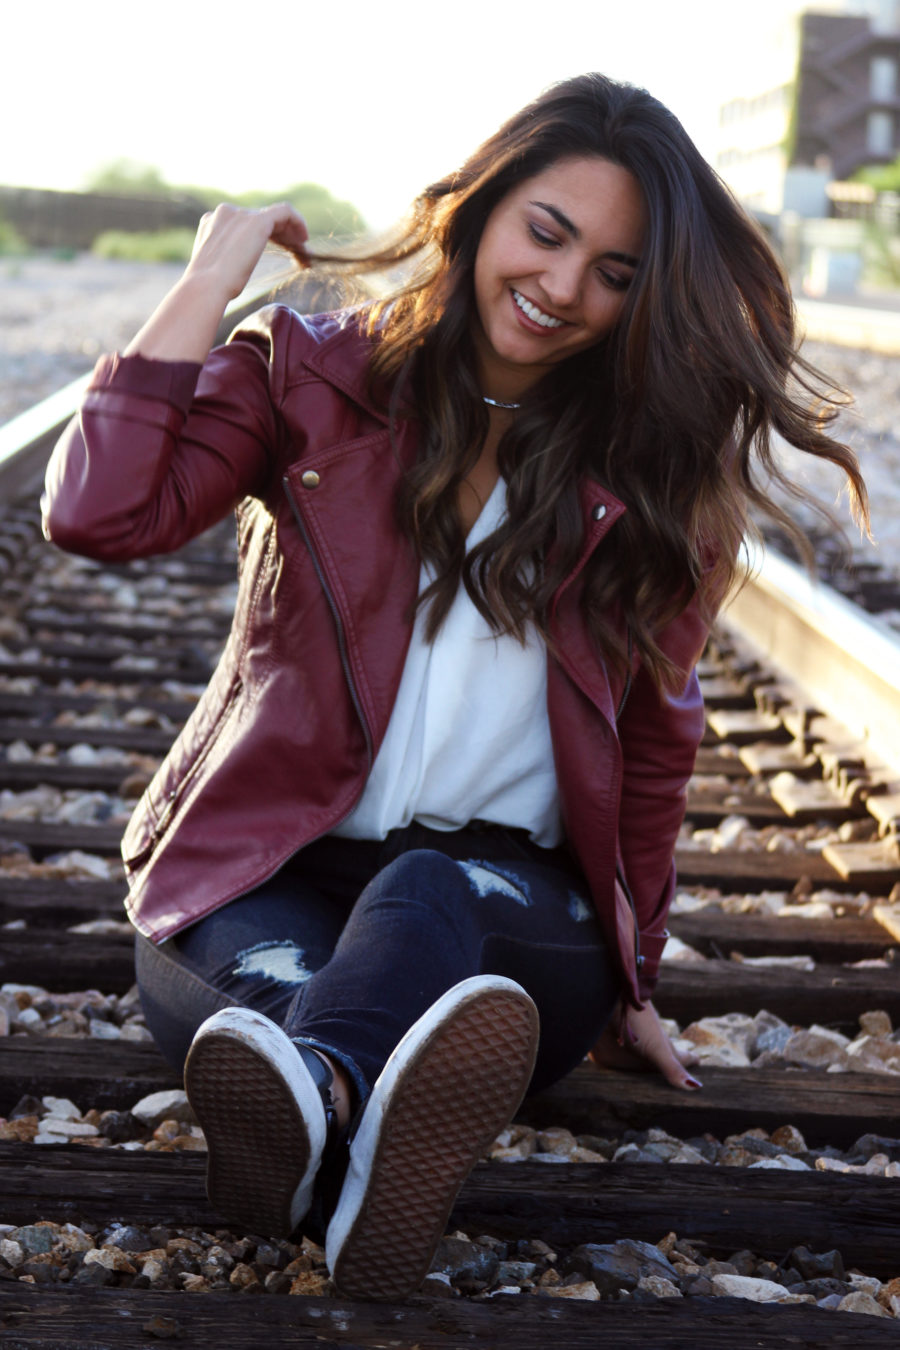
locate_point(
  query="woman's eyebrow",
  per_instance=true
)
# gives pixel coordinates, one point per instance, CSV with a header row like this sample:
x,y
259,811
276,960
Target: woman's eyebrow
x,y
562,221
571,228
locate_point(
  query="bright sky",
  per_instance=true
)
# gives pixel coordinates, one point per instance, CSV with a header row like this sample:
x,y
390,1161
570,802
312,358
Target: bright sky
x,y
373,98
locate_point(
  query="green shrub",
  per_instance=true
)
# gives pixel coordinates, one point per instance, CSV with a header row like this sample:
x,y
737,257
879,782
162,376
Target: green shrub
x,y
11,242
324,214
128,177
145,245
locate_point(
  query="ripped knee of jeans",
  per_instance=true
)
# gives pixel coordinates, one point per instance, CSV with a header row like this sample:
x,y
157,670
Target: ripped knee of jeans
x,y
282,962
489,879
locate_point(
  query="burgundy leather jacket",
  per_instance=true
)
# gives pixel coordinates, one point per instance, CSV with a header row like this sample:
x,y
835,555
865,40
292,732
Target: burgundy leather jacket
x,y
279,425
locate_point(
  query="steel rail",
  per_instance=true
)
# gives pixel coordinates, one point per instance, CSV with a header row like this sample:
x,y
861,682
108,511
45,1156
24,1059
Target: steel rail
x,y
845,660
850,325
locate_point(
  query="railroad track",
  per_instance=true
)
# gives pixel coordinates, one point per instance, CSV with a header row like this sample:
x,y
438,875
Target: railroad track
x,y
99,665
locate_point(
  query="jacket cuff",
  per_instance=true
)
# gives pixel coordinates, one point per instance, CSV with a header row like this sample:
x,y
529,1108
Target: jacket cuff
x,y
172,382
651,947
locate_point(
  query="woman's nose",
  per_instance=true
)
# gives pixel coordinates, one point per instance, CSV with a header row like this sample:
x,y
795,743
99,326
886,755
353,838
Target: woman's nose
x,y
562,283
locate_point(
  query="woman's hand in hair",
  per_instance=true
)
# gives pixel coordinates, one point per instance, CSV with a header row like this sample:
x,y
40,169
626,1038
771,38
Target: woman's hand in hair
x,y
229,244
231,239
637,1041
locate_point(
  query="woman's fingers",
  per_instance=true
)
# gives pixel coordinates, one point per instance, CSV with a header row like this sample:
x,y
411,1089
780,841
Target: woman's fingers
x,y
661,1054
645,1045
651,1041
230,241
289,230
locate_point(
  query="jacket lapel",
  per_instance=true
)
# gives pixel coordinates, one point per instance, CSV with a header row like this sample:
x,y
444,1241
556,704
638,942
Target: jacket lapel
x,y
342,360
574,649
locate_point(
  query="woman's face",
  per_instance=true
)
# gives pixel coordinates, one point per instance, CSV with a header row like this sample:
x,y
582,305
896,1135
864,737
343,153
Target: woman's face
x,y
553,266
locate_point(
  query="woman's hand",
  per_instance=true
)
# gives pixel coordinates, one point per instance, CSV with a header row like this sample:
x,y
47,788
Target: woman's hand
x,y
231,239
229,244
644,1046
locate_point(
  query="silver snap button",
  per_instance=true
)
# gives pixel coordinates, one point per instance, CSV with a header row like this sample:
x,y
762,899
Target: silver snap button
x,y
599,512
310,479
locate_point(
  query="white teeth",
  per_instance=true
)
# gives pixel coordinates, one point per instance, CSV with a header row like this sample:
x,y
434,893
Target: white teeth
x,y
536,315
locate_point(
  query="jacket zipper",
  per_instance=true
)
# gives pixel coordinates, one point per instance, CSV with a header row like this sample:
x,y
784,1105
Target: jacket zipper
x,y
339,626
174,797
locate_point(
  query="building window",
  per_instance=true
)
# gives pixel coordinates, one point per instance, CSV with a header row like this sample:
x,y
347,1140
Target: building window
x,y
880,133
882,78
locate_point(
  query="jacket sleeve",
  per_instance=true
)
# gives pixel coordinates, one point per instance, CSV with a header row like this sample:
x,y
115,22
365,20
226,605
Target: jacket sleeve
x,y
659,734
160,451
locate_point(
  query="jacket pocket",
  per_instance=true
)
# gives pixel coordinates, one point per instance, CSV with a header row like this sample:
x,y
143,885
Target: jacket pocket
x,y
154,823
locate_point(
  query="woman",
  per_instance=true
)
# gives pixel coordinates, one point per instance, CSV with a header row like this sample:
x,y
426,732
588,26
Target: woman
x,y
431,795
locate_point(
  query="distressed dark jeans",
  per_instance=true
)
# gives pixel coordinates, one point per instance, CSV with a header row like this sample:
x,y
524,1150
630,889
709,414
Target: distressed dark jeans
x,y
352,940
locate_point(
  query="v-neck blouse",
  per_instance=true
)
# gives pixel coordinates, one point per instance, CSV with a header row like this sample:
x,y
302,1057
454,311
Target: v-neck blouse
x,y
469,735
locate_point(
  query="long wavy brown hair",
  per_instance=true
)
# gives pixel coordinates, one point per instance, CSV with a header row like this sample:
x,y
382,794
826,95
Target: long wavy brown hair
x,y
674,412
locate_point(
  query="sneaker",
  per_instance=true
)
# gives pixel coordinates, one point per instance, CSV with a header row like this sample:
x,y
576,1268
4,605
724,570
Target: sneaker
x,y
452,1084
263,1104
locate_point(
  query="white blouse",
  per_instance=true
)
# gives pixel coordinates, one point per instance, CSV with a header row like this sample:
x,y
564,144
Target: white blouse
x,y
469,735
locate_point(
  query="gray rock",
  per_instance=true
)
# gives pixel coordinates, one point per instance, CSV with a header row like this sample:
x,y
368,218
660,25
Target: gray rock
x,y
35,1237
437,1285
159,1106
27,1106
127,1237
619,1265
707,1147
94,1275
817,1265
515,1272
767,1270
468,1265
118,1126
870,1144
268,1254
218,1263
714,1267
822,1288
276,1282
773,1039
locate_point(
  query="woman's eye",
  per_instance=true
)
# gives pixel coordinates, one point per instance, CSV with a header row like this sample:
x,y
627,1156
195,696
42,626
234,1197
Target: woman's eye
x,y
540,237
615,281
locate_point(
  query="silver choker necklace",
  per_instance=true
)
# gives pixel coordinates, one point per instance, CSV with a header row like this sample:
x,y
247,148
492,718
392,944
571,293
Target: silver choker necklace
x,y
498,403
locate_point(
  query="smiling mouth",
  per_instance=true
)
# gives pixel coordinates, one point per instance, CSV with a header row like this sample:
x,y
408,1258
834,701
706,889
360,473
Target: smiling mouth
x,y
536,315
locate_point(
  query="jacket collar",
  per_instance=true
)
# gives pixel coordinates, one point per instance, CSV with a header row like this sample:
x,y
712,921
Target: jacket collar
x,y
342,359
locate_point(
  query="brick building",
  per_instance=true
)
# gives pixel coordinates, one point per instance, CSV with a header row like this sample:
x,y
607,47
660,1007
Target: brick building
x,y
826,101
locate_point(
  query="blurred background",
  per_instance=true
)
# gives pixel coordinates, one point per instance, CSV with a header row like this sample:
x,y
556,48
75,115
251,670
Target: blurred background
x,y
122,124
